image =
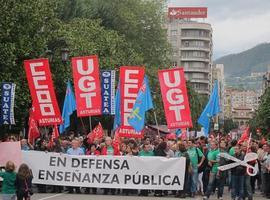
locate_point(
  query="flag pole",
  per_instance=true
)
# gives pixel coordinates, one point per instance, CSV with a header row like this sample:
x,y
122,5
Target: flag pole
x,y
156,123
90,123
82,124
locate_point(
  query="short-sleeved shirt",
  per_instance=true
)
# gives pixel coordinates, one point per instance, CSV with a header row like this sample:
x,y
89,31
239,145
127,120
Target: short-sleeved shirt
x,y
9,182
194,156
214,155
148,153
110,151
231,151
76,152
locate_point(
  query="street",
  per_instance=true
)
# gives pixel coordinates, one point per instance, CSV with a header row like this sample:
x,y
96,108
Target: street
x,y
65,196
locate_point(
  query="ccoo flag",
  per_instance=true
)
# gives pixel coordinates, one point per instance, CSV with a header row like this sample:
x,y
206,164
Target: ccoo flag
x,y
143,103
211,109
68,108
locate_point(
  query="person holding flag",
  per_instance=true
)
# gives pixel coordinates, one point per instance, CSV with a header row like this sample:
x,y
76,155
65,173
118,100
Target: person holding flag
x,y
211,109
143,103
68,108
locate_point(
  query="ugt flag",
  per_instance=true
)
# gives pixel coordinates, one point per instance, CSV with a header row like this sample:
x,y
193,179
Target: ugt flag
x,y
143,103
7,108
68,108
211,109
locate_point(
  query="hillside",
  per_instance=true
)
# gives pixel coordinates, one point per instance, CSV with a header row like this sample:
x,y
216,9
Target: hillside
x,y
242,64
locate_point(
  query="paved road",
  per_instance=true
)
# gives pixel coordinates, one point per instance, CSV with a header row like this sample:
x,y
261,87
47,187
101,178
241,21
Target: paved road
x,y
64,196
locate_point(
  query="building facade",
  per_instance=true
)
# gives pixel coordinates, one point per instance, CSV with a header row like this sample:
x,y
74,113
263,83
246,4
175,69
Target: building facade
x,y
240,105
191,43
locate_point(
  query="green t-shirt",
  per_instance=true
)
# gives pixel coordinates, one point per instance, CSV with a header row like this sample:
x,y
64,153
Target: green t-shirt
x,y
214,155
194,156
9,182
231,151
148,153
110,151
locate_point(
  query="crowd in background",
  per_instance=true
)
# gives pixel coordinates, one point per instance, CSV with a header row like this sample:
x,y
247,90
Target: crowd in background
x,y
202,155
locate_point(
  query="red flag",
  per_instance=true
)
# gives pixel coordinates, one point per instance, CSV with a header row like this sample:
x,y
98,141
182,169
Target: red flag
x,y
33,132
245,136
131,80
183,136
42,92
175,98
97,133
87,85
116,141
55,133
171,136
263,141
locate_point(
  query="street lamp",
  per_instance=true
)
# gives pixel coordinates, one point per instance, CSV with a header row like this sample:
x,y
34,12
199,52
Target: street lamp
x,y
64,54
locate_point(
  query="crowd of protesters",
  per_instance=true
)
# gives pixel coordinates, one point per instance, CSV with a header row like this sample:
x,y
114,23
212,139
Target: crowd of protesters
x,y
202,155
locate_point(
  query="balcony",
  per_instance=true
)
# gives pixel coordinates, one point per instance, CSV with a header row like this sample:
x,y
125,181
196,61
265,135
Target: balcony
x,y
195,37
200,91
190,69
197,80
193,58
195,48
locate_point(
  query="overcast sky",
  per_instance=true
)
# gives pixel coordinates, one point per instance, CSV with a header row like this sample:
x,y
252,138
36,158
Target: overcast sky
x,y
237,24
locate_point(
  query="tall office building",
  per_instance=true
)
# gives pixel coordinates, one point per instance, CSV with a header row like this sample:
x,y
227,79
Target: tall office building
x,y
192,46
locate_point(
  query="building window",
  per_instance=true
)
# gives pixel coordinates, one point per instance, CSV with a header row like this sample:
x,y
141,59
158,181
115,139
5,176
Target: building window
x,y
174,64
173,32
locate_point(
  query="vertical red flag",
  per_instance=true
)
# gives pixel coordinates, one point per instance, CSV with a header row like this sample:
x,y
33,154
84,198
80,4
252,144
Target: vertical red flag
x,y
97,133
55,133
116,141
87,85
33,132
131,80
244,136
42,92
175,98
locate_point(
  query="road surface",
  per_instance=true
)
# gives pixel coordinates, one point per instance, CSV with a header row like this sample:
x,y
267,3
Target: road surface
x,y
65,196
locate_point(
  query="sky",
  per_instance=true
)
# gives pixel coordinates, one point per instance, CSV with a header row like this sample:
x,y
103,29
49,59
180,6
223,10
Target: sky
x,y
237,25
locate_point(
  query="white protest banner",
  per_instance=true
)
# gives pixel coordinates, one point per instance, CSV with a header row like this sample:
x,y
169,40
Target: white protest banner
x,y
127,172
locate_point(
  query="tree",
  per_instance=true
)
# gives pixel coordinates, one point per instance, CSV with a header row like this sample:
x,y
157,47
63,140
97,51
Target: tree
x,y
262,116
25,28
229,125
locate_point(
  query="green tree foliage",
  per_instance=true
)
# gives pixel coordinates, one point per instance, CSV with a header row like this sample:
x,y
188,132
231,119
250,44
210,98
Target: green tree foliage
x,y
140,23
25,28
229,125
262,117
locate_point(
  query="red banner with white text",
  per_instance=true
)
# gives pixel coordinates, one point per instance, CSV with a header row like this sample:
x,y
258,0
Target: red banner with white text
x,y
87,85
42,92
131,80
175,99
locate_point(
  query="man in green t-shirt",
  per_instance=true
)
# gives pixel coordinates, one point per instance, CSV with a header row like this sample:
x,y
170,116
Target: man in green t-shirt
x,y
214,161
194,155
146,151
